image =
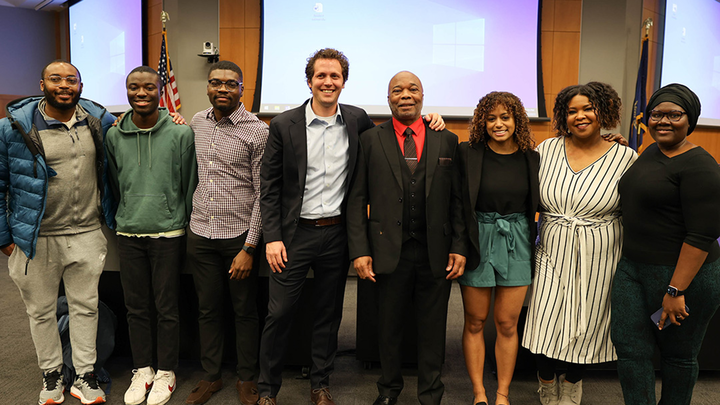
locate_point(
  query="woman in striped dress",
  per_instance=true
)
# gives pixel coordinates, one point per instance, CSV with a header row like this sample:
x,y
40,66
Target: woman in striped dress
x,y
580,240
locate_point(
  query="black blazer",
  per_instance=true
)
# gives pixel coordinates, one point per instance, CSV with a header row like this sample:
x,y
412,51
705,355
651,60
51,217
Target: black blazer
x,y
284,166
379,183
471,163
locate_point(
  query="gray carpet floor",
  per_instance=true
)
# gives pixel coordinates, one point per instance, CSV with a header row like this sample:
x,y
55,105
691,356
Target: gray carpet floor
x,y
352,383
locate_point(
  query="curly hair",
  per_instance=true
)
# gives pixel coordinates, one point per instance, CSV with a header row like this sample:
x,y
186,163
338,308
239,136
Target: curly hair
x,y
327,53
602,97
478,127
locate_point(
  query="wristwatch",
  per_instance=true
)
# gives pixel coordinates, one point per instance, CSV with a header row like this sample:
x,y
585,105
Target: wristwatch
x,y
674,292
249,249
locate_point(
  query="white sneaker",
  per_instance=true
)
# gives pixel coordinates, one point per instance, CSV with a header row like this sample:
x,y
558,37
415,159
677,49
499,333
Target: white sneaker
x,y
570,394
140,384
549,392
87,390
163,387
53,388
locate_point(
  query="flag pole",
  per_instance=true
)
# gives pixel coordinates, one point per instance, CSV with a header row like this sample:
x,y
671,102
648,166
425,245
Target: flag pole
x,y
638,128
170,98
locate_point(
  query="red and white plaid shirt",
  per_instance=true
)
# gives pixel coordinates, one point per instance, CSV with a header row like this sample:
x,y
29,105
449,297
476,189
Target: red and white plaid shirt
x,y
226,202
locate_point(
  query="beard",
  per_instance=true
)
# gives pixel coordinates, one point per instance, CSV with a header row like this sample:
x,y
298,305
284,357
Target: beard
x,y
50,98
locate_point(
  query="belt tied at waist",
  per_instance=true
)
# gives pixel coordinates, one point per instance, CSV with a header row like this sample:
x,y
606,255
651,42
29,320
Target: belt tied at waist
x,y
321,221
502,241
575,273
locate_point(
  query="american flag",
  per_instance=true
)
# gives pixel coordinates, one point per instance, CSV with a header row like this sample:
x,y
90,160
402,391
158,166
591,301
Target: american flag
x,y
170,97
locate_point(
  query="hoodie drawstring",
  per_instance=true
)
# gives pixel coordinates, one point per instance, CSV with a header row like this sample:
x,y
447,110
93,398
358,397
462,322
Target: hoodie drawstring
x,y
137,136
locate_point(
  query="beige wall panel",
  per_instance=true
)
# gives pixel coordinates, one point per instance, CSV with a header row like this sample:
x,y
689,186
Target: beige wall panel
x,y
568,15
7,98
232,41
252,14
550,103
154,21
709,139
548,15
252,52
154,43
566,55
232,13
653,5
654,32
247,97
546,41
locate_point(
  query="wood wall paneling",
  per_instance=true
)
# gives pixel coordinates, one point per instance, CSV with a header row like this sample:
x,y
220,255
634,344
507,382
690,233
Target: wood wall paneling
x,y
6,98
252,13
548,15
154,24
239,22
566,59
568,15
232,41
232,13
154,43
154,32
252,54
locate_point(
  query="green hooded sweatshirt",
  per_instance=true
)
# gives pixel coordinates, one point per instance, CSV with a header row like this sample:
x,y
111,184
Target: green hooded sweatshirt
x,y
153,174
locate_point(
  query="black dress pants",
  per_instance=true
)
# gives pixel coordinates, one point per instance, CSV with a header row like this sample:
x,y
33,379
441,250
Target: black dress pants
x,y
210,261
412,290
324,249
150,267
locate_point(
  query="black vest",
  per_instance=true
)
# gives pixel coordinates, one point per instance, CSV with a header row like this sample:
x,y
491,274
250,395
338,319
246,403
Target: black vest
x,y
414,223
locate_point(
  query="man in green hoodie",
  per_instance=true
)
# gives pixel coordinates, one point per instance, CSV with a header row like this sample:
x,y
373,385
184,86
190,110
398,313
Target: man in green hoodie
x,y
153,174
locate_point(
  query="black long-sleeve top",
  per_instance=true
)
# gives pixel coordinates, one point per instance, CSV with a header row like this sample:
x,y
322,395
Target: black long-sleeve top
x,y
670,201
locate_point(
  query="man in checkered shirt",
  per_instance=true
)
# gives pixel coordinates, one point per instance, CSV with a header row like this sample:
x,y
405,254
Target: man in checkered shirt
x,y
225,229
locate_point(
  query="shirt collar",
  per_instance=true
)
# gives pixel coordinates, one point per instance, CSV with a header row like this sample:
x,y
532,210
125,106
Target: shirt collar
x,y
80,114
311,117
234,118
416,126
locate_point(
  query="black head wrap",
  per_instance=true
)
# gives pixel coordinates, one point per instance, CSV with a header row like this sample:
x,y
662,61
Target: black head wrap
x,y
680,95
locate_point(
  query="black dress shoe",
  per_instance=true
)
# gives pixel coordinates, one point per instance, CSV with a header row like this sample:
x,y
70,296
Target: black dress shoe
x,y
383,400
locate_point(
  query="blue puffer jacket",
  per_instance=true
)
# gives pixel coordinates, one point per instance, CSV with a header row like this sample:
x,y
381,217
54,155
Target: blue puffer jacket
x,y
24,173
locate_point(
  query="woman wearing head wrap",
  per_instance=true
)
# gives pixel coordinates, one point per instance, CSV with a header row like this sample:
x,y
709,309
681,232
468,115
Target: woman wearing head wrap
x,y
671,213
580,241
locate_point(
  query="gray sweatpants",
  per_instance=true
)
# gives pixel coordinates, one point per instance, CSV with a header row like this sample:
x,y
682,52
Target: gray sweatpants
x,y
78,260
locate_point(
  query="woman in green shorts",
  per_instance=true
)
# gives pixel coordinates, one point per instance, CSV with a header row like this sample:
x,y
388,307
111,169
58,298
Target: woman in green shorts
x,y
499,170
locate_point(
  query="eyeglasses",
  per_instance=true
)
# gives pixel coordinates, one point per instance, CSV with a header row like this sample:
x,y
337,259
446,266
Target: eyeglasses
x,y
230,84
57,79
673,116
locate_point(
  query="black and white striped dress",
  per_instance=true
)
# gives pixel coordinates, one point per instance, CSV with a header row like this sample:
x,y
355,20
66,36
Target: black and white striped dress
x,y
579,248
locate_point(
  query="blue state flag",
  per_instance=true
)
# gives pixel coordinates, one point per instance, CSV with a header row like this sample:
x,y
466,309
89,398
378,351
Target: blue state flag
x,y
638,127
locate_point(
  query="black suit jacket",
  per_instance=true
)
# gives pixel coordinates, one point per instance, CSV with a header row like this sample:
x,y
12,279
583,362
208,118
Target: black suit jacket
x,y
282,175
471,164
379,183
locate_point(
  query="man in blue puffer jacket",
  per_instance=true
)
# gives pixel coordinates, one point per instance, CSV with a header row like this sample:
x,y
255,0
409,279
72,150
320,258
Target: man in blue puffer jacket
x,y
53,197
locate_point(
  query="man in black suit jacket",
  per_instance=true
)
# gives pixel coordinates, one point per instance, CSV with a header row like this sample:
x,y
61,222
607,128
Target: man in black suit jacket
x,y
413,243
309,161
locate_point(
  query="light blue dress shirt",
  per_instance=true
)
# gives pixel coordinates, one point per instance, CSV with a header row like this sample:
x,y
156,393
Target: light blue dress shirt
x,y
327,157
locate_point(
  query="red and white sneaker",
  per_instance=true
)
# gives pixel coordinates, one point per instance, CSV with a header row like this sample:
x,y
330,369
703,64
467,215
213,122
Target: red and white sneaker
x,y
140,385
163,387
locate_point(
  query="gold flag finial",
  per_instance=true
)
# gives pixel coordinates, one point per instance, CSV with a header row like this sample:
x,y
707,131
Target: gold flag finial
x,y
164,17
647,24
